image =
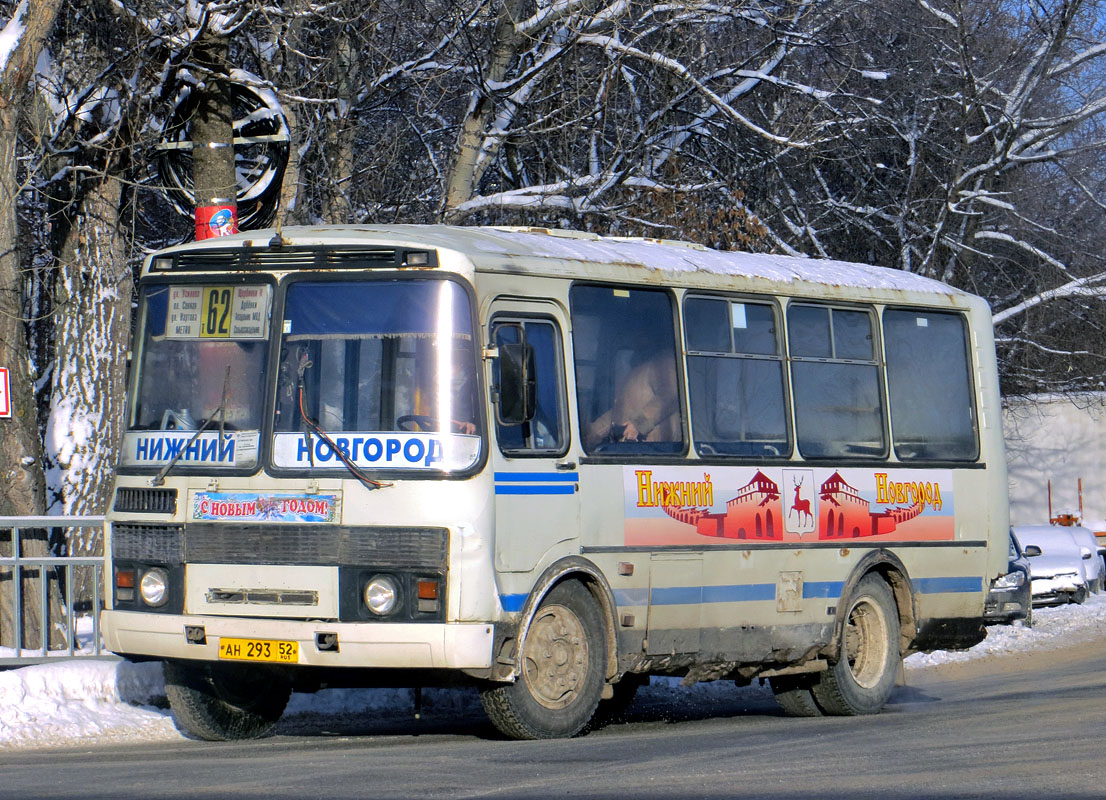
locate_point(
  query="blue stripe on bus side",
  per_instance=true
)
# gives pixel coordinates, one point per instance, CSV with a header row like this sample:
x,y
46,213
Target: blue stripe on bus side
x,y
739,593
676,596
948,585
512,602
537,477
823,589
534,489
751,592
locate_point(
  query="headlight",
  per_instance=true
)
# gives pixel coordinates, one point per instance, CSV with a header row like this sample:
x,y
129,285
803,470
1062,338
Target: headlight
x,y
1011,580
154,587
381,595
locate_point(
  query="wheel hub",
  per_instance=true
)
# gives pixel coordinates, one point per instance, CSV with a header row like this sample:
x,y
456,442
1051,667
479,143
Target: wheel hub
x,y
555,656
866,642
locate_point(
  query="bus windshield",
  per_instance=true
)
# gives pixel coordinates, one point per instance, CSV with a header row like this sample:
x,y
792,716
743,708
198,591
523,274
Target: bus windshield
x,y
200,387
364,358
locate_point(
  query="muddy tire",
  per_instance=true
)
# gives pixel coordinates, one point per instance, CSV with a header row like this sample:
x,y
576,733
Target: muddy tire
x,y
223,702
860,679
795,696
564,656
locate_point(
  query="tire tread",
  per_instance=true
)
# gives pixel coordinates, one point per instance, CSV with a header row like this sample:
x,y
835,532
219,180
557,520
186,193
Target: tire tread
x,y
516,715
835,692
199,711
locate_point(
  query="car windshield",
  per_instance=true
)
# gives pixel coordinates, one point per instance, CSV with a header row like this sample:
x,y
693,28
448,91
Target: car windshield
x,y
199,390
381,372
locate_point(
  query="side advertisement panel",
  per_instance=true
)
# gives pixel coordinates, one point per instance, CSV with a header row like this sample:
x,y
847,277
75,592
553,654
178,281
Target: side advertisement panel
x,y
686,506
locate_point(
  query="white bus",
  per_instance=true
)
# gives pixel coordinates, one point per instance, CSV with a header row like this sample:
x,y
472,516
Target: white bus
x,y
550,464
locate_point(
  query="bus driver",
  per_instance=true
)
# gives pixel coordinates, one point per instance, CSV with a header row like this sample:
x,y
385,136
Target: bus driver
x,y
646,406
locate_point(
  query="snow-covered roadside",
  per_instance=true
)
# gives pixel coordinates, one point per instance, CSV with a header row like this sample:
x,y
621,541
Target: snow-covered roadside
x,y
80,703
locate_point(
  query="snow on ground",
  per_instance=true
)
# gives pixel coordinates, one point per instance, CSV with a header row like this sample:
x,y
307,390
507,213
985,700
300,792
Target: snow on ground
x,y
88,702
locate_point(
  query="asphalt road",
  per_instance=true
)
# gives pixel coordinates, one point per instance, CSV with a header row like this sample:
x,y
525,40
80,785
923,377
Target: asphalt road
x,y
1007,728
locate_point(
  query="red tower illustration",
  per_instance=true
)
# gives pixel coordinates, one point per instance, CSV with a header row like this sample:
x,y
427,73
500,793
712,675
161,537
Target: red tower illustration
x,y
845,514
753,513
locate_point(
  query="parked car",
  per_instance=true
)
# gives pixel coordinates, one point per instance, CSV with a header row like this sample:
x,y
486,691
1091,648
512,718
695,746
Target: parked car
x,y
1009,598
1085,538
1062,570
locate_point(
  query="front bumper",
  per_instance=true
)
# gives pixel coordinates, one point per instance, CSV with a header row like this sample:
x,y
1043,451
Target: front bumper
x,y
385,645
1007,605
1057,589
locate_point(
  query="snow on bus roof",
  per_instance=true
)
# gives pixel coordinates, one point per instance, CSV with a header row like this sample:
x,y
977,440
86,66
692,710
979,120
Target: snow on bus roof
x,y
684,257
486,246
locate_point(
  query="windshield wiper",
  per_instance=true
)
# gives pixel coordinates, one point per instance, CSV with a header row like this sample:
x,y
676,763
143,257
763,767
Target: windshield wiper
x,y
310,425
221,411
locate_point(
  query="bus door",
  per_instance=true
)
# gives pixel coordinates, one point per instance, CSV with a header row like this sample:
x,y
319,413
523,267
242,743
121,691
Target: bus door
x,y
536,485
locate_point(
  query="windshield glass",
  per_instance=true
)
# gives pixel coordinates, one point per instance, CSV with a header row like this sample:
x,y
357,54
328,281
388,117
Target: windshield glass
x,y
201,368
386,369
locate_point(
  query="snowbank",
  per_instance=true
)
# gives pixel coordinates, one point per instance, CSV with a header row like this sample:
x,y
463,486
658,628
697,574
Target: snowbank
x,y
78,703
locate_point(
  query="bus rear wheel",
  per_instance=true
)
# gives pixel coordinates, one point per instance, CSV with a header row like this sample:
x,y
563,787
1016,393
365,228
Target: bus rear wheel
x,y
224,702
795,696
868,658
562,670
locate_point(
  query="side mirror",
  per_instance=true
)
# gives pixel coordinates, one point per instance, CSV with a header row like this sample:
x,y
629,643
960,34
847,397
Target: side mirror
x,y
1031,550
517,383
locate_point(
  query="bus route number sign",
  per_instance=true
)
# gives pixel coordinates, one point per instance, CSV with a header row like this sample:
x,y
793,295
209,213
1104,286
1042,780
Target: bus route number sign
x,y
219,312
215,316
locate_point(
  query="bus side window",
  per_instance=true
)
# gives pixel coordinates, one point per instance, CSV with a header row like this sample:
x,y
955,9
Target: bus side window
x,y
929,383
627,381
735,377
836,380
546,433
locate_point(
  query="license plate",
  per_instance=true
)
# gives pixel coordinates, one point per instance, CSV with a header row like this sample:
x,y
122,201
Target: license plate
x,y
259,650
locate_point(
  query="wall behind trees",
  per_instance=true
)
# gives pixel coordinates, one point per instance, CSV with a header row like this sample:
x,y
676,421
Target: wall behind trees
x,y
962,141
1057,440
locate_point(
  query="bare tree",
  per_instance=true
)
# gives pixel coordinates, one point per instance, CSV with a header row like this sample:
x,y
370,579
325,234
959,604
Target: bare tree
x,y
22,488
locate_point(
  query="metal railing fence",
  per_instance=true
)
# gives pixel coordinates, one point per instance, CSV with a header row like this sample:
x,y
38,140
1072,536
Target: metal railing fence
x,y
21,567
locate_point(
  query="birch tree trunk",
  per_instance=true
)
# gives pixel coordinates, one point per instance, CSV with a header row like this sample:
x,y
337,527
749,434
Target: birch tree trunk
x,y
337,206
93,290
474,152
22,483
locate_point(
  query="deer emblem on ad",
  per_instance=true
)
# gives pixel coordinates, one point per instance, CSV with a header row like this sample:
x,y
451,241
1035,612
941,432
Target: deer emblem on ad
x,y
800,516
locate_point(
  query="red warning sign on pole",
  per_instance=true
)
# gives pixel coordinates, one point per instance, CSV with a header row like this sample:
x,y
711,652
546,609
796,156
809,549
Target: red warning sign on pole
x,y
5,394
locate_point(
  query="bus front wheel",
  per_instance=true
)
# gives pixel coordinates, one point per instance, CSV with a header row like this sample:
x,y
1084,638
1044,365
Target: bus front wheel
x,y
562,670
223,702
868,658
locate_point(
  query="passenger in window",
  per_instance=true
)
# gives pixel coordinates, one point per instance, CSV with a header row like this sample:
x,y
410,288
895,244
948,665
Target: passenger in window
x,y
646,406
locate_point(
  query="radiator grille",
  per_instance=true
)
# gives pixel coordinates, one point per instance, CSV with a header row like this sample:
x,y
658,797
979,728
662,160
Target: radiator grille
x,y
316,545
146,501
162,544
396,547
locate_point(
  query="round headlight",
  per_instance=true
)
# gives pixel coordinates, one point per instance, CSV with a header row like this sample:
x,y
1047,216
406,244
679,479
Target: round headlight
x,y
154,587
381,595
